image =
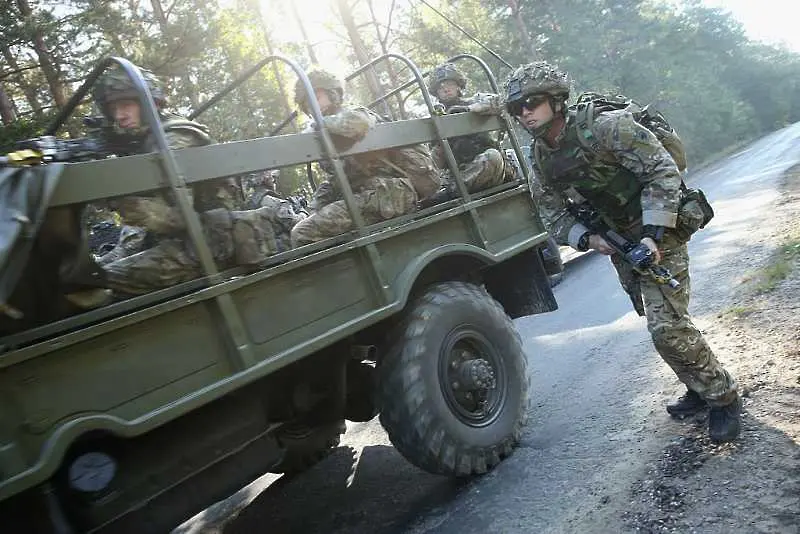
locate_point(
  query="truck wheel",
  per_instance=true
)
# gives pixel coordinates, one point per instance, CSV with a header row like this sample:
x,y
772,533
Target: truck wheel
x,y
454,384
306,446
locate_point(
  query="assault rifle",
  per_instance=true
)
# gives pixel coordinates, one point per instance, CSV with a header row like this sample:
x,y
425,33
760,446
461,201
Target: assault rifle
x,y
637,254
101,142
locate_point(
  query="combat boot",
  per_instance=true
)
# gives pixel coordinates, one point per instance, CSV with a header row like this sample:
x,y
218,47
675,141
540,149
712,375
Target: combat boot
x,y
724,422
442,195
687,404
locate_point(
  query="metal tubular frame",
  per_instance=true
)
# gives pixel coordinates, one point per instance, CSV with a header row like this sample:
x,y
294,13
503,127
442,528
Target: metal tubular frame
x,y
477,227
504,116
230,313
175,182
379,281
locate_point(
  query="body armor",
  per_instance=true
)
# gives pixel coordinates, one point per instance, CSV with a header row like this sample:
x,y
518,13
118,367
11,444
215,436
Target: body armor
x,y
611,189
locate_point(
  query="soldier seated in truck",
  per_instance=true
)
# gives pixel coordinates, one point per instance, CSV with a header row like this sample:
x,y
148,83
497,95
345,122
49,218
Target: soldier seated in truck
x,y
478,156
386,184
236,237
169,260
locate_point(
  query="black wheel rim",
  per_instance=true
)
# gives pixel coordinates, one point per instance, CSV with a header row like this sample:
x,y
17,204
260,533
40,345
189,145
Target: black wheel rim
x,y
478,407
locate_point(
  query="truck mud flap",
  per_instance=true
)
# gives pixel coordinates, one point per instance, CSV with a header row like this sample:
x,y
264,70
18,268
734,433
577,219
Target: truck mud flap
x,y
521,285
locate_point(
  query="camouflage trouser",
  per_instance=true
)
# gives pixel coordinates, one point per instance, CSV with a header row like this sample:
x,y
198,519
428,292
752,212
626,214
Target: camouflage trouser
x,y
168,263
484,171
379,199
233,238
676,338
283,218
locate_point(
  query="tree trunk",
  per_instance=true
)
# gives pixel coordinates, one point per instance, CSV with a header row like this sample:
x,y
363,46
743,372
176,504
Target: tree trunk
x,y
389,64
158,11
361,51
276,71
46,61
309,47
27,90
523,29
7,113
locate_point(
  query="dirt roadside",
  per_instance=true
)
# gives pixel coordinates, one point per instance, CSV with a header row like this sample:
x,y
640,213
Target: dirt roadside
x,y
752,485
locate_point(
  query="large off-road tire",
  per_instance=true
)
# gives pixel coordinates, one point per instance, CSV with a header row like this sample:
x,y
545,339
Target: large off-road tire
x,y
436,396
307,446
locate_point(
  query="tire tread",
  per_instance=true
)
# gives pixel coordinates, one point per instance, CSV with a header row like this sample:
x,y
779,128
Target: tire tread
x,y
406,414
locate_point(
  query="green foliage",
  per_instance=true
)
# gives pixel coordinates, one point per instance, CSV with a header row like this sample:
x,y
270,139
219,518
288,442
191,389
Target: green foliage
x,y
18,130
691,62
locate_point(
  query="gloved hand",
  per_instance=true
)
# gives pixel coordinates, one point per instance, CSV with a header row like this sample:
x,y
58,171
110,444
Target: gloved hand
x,y
650,243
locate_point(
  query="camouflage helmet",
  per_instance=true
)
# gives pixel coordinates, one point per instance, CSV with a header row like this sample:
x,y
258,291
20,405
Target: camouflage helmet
x,y
538,78
114,84
443,72
320,79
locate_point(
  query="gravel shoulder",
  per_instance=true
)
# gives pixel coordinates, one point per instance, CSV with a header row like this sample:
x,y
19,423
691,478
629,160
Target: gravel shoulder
x,y
752,485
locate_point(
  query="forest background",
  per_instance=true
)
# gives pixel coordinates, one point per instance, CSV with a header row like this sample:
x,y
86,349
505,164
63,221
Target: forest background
x,y
692,62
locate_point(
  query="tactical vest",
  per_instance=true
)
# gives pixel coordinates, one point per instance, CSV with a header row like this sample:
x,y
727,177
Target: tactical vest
x,y
206,194
611,189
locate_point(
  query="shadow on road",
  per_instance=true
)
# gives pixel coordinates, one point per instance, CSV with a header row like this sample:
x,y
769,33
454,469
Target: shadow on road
x,y
698,484
375,492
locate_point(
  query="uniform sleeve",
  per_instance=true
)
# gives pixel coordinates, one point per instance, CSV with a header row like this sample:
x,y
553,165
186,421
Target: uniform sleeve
x,y
637,149
350,123
487,104
552,206
153,214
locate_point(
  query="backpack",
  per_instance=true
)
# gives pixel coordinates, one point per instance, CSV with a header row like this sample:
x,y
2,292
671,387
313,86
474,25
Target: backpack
x,y
589,104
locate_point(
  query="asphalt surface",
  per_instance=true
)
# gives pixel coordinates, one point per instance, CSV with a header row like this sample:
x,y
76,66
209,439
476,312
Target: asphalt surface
x,y
598,390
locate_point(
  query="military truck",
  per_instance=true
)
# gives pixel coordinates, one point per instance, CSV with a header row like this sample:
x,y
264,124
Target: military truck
x,y
134,416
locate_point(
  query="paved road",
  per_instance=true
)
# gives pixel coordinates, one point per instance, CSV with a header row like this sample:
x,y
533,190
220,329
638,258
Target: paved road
x,y
597,416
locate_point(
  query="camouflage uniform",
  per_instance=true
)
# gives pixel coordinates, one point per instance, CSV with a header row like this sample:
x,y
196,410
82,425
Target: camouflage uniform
x,y
283,215
132,239
631,179
480,161
171,259
385,183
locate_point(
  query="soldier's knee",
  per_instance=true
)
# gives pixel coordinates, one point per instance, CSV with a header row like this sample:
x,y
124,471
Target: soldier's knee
x,y
495,165
493,156
680,338
298,236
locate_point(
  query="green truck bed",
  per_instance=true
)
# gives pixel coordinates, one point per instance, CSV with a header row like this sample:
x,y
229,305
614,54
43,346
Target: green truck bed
x,y
181,383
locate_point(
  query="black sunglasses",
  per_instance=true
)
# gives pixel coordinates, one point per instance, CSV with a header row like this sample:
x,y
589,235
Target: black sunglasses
x,y
530,102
